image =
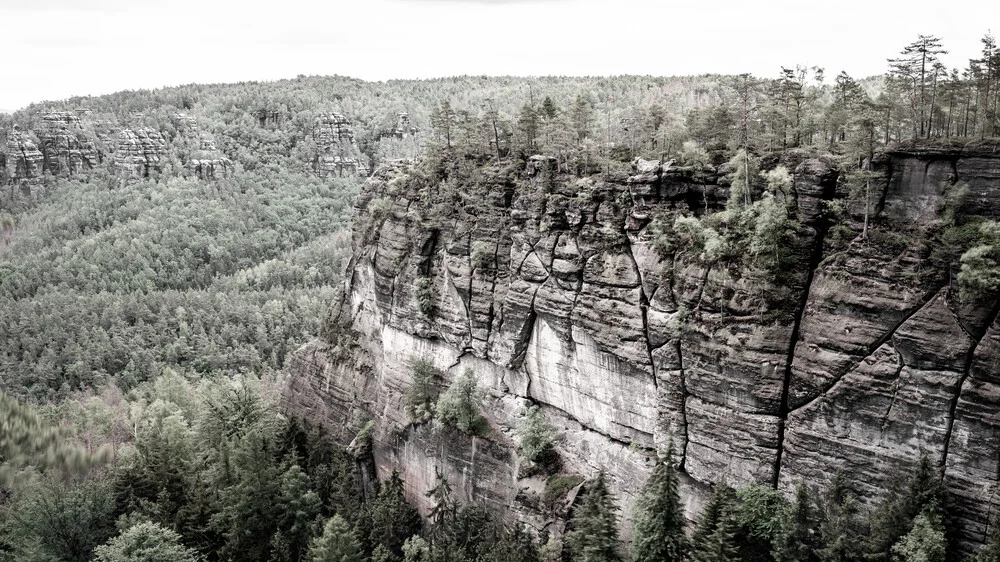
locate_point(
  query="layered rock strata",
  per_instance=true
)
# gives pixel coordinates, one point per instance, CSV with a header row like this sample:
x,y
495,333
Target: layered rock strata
x,y
337,154
22,159
138,152
573,294
65,145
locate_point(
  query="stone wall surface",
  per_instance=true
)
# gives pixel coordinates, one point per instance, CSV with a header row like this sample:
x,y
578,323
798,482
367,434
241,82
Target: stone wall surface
x,y
558,292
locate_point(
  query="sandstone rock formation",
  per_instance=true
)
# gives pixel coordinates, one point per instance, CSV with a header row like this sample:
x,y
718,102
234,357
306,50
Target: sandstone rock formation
x,y
402,129
65,146
138,152
337,153
23,160
559,291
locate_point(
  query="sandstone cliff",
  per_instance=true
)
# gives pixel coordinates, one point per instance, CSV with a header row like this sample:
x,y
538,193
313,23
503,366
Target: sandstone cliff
x,y
558,291
22,159
138,152
336,152
65,146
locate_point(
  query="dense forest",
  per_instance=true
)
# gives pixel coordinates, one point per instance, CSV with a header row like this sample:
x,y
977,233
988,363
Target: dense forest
x,y
144,325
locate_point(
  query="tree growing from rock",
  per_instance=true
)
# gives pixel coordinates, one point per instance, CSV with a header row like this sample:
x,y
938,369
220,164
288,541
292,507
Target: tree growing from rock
x,y
459,406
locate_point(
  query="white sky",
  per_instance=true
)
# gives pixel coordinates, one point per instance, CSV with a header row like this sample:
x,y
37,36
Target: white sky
x,y
58,48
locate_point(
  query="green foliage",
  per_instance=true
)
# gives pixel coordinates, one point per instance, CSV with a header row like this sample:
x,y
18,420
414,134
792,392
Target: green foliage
x,y
704,241
56,520
760,517
146,542
926,541
840,529
388,521
692,154
424,296
797,540
459,406
593,526
774,235
714,537
893,517
535,434
481,255
336,544
743,178
423,392
27,442
980,273
556,488
659,521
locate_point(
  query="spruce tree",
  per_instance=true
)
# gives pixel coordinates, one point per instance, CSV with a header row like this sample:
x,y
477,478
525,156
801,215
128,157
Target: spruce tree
x,y
390,520
714,539
336,544
594,524
797,540
659,527
839,535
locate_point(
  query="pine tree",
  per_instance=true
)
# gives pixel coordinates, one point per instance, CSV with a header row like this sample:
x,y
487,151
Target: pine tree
x,y
714,538
839,535
659,528
797,540
594,526
390,520
336,544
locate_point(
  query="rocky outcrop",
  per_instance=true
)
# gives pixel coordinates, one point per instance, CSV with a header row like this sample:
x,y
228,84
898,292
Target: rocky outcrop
x,y
336,152
210,169
402,129
576,294
23,160
66,147
138,152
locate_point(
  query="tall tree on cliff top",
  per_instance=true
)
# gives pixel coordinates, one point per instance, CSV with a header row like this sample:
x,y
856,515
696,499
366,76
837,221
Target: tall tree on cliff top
x,y
990,69
914,68
659,527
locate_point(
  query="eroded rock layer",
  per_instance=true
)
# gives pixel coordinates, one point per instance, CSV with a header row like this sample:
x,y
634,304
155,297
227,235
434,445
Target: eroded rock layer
x,y
138,152
560,291
65,146
337,153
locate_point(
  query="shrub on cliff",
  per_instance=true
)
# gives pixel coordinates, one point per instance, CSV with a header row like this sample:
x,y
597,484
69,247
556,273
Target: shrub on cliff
x,y
535,435
459,406
424,296
980,273
423,393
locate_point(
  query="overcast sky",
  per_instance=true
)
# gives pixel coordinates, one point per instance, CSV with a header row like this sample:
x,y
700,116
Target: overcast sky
x,y
54,49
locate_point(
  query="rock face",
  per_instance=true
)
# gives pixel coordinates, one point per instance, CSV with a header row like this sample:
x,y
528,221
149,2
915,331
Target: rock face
x,y
560,291
66,148
402,129
337,153
23,160
138,152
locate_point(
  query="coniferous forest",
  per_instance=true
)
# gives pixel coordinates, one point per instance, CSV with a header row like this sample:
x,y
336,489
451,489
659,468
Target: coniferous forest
x,y
146,325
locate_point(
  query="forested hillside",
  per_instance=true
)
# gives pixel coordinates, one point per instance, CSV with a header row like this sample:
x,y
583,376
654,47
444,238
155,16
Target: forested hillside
x,y
163,253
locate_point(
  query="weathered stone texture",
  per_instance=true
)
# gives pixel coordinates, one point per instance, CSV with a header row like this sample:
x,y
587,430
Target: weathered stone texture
x,y
557,291
66,147
337,153
138,152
